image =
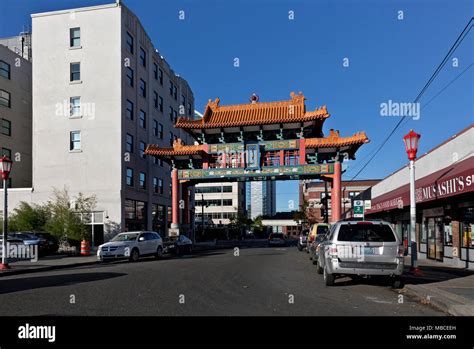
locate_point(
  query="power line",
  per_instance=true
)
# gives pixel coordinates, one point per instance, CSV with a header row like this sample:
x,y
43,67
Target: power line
x,y
453,48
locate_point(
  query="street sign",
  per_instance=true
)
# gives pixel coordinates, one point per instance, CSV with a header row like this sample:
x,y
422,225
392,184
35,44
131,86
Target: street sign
x,y
358,209
367,204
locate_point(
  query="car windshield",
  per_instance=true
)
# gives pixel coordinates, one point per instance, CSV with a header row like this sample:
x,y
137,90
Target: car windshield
x,y
125,237
322,229
366,233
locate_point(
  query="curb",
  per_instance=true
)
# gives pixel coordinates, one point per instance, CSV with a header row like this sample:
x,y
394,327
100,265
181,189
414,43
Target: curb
x,y
439,299
46,268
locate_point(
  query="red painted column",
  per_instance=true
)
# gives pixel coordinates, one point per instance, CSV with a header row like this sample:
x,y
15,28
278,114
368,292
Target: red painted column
x,y
175,199
185,196
205,160
242,159
337,191
331,219
282,157
224,160
302,151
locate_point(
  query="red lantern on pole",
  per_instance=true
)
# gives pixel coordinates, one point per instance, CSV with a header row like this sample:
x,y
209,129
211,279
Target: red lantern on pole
x,y
411,144
5,168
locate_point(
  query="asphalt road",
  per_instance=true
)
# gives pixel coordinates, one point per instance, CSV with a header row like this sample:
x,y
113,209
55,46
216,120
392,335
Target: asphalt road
x,y
260,281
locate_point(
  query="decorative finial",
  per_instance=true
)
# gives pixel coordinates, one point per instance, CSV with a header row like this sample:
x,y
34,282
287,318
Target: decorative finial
x,y
254,98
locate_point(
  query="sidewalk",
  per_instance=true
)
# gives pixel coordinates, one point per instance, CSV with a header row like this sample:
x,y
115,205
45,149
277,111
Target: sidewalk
x,y
447,288
48,263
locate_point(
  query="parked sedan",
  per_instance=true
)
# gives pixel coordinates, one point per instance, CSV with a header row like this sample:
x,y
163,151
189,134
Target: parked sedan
x,y
315,247
132,245
51,244
178,244
30,240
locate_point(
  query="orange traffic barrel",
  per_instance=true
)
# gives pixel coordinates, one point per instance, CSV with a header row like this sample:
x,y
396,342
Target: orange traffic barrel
x,y
85,250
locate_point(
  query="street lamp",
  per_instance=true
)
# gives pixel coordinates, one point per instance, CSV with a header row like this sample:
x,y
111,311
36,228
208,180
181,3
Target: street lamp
x,y
411,146
5,168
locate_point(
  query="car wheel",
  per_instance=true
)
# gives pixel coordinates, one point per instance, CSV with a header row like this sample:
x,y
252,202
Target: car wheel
x,y
397,282
328,278
134,255
159,252
319,270
314,260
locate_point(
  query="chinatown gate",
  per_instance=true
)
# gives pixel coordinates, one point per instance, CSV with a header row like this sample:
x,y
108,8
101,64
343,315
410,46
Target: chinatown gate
x,y
256,142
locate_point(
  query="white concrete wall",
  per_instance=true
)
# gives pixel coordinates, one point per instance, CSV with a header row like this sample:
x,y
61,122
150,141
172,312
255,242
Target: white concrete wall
x,y
457,149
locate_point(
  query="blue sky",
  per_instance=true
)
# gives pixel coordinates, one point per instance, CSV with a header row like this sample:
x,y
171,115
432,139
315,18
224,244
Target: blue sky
x,y
389,59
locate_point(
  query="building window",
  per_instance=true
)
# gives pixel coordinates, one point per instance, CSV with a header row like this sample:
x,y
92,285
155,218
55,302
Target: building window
x,y
160,76
75,71
129,143
75,37
6,152
190,110
155,128
155,184
171,114
130,43
130,76
142,57
129,179
155,99
142,119
155,71
75,106
6,127
75,140
5,69
5,99
142,88
183,101
160,186
175,116
171,88
175,93
129,110
160,131
160,103
142,150
142,180
171,139
155,160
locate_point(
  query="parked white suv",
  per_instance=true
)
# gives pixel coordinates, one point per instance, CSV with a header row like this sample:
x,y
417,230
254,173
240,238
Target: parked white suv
x,y
132,245
361,248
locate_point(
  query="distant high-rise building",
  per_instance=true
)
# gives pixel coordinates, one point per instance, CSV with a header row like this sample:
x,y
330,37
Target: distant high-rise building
x,y
261,198
20,44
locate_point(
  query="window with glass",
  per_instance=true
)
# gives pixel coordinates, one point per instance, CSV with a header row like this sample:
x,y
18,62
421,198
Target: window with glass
x,y
75,140
5,99
130,76
171,138
75,37
175,93
75,106
160,131
130,43
155,99
5,69
142,149
190,110
142,88
155,184
142,119
466,229
129,109
448,234
129,177
155,128
6,152
160,103
160,186
6,127
129,143
171,88
160,76
142,180
142,57
155,71
75,71
183,100
175,116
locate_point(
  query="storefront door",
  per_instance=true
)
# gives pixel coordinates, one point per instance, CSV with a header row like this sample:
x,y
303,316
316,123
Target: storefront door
x,y
435,238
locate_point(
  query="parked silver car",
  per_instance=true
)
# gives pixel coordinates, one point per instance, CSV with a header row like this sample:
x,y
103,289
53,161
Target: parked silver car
x,y
132,245
361,248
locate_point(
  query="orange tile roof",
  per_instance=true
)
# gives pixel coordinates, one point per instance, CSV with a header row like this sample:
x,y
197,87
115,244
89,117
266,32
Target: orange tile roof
x,y
334,140
178,149
289,111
